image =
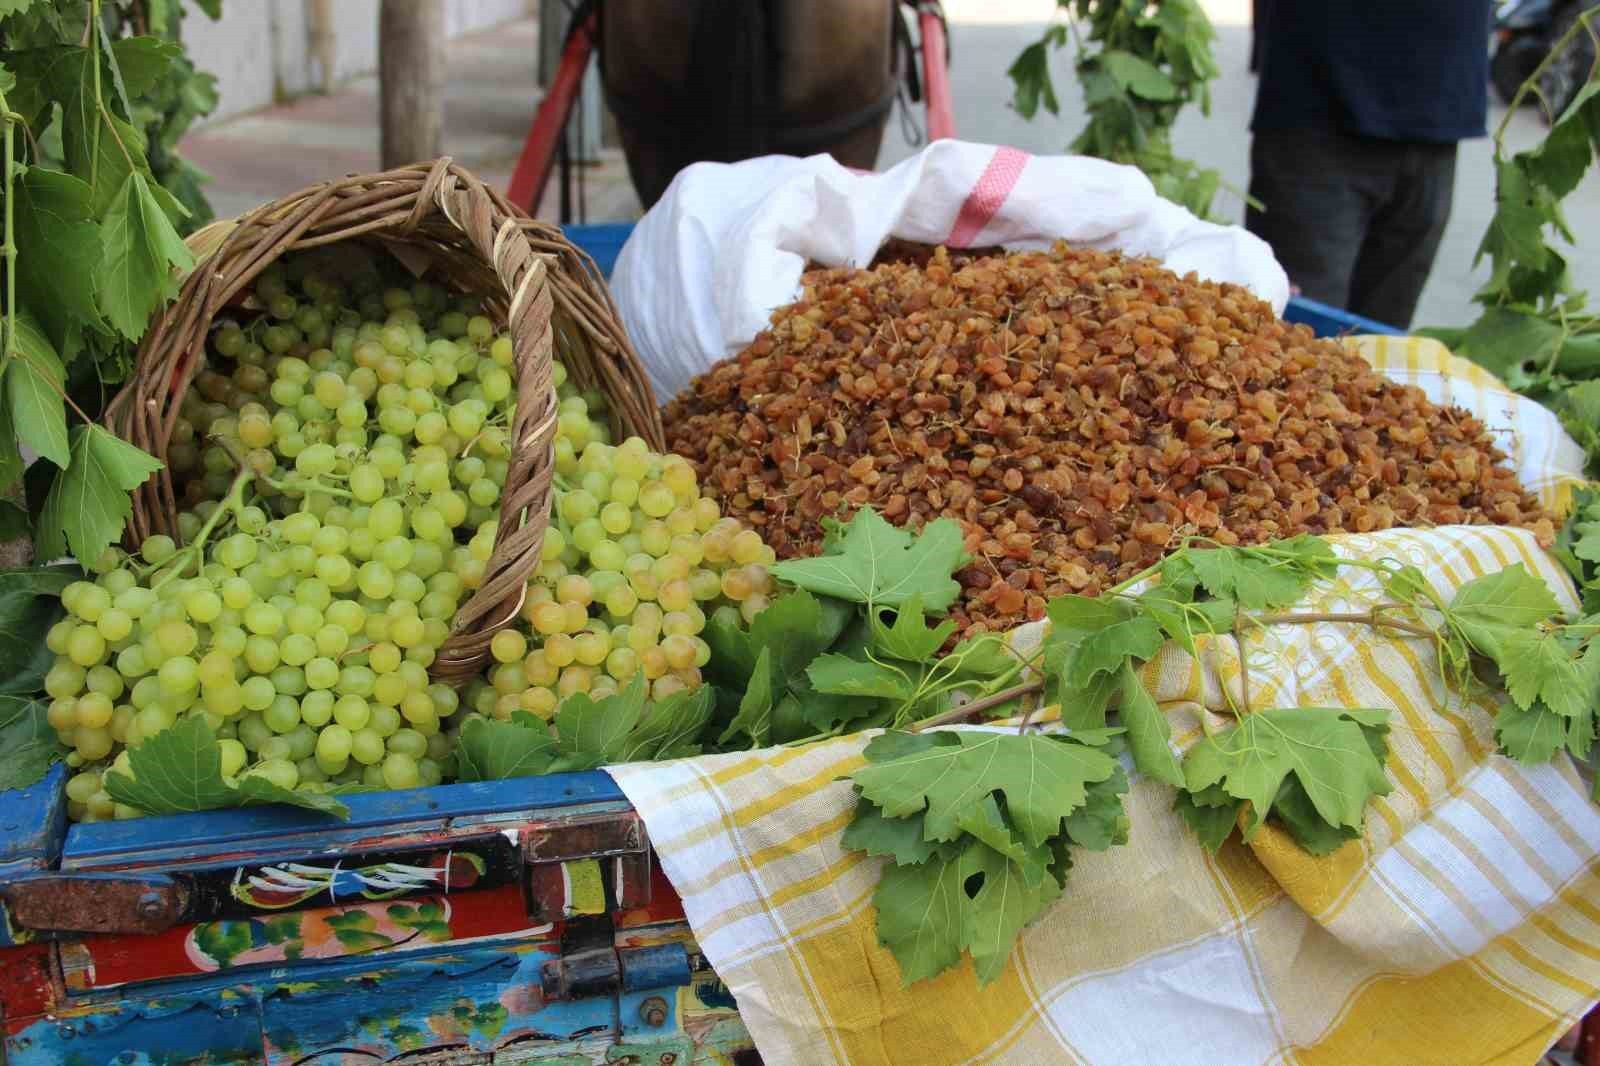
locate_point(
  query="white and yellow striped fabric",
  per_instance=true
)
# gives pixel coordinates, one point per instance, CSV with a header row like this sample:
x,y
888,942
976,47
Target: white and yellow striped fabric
x,y
1463,929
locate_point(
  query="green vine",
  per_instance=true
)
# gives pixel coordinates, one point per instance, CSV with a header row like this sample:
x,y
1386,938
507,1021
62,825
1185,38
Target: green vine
x,y
1536,331
1140,64
96,198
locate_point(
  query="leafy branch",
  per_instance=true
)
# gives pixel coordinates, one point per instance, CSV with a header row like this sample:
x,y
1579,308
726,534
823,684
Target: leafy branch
x,y
1536,332
92,248
1139,64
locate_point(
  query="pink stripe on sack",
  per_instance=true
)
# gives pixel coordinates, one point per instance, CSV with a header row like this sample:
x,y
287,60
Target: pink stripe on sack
x,y
994,185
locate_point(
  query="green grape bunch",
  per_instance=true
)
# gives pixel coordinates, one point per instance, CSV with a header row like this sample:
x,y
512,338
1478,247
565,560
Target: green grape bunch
x,y
632,562
340,461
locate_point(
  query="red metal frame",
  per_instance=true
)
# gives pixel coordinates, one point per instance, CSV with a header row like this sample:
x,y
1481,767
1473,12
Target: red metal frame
x,y
538,156
935,74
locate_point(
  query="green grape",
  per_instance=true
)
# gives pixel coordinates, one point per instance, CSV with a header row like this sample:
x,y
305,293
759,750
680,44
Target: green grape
x,y
316,708
366,747
258,693
289,679
157,548
263,619
400,771
375,580
322,672
282,714
367,483
385,720
86,646
223,699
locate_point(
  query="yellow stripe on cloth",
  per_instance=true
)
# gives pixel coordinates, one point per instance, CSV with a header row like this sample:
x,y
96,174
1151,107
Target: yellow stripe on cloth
x,y
1463,929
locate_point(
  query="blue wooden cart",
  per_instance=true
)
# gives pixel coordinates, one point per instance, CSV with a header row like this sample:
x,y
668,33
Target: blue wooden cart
x,y
506,922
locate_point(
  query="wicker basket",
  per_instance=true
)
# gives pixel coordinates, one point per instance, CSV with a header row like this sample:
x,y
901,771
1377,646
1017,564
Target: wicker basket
x,y
548,292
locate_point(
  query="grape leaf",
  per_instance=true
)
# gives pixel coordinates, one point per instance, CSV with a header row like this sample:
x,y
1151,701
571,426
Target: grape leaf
x,y
882,566
254,790
982,657
489,750
1007,900
1529,735
670,728
141,248
1257,578
142,62
15,7
88,504
1294,809
1138,76
1490,610
1502,339
592,732
34,384
910,637
1323,747
100,147
1538,666
180,769
964,897
794,628
58,252
1149,732
30,603
1030,77
900,839
823,711
921,914
1042,778
28,746
1182,618
754,719
841,675
1095,635
1101,822
1515,235
1210,813
1511,596
984,821
1580,732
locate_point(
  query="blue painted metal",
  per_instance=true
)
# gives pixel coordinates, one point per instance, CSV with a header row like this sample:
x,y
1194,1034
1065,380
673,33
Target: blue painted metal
x,y
1326,320
202,837
603,241
32,821
178,1030
656,966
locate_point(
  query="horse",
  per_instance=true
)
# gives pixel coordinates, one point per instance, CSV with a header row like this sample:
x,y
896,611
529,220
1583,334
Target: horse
x,y
724,80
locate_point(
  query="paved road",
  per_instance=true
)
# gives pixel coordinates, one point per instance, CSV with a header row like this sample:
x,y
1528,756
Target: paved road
x,y
987,34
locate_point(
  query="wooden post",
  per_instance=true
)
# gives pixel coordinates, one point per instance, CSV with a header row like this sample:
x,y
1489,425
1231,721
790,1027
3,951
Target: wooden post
x,y
411,80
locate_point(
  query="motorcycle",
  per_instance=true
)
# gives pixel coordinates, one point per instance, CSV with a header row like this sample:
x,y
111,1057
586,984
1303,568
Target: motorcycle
x,y
1524,31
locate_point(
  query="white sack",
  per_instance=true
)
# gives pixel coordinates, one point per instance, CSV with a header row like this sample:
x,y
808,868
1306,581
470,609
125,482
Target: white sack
x,y
725,246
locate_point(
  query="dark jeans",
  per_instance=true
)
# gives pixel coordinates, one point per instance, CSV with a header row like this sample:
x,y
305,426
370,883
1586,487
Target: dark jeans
x,y
1355,221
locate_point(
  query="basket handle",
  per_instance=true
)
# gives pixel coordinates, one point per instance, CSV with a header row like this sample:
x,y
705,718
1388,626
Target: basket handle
x,y
396,203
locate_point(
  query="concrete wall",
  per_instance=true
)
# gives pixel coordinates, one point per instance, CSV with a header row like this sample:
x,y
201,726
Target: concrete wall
x,y
262,50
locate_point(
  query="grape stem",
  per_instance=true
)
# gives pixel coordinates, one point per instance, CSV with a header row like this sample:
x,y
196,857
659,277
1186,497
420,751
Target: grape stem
x,y
195,549
305,488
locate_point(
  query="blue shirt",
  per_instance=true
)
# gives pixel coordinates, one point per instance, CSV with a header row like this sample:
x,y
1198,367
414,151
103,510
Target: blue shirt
x,y
1402,70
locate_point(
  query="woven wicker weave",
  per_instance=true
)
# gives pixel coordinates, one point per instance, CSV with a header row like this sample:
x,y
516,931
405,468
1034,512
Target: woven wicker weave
x,y
547,292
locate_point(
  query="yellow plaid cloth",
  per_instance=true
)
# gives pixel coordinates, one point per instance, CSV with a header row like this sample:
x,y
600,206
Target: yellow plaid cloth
x,y
1463,929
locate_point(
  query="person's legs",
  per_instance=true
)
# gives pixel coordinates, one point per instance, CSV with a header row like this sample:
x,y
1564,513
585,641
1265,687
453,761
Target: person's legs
x,y
1316,193
1404,236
